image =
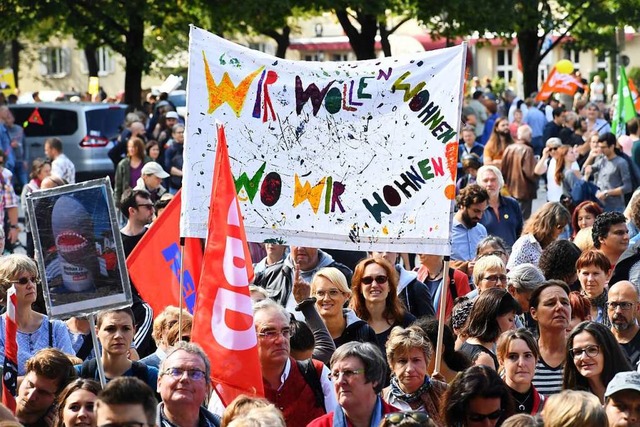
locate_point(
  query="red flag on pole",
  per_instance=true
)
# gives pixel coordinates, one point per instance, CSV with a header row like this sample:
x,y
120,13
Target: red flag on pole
x,y
223,319
154,264
560,83
10,367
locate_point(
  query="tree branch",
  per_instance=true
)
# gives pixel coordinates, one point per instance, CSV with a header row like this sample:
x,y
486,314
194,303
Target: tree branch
x,y
347,26
402,21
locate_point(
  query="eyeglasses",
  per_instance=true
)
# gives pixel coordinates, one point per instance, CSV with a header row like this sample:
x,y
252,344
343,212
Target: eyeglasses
x,y
178,373
550,149
332,293
24,280
146,205
398,417
367,280
477,418
613,305
590,350
495,277
348,374
271,335
496,253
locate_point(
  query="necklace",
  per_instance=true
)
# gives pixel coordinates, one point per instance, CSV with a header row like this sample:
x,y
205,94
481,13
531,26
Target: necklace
x,y
521,407
435,276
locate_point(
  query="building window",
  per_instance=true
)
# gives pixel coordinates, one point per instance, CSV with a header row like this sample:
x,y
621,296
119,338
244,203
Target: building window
x,y
340,57
262,47
543,72
106,62
318,56
505,64
573,55
602,62
55,62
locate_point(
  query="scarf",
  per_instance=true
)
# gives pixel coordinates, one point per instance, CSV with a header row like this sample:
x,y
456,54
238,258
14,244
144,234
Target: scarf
x,y
397,392
340,419
600,303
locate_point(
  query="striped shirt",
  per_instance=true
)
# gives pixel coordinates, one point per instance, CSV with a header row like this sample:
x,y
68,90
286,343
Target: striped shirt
x,y
547,380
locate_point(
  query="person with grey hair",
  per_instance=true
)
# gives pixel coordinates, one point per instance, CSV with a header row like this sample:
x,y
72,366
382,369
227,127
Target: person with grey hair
x,y
521,282
503,216
358,371
183,385
301,390
595,123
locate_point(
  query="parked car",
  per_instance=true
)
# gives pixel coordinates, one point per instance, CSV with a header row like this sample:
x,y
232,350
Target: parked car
x,y
85,129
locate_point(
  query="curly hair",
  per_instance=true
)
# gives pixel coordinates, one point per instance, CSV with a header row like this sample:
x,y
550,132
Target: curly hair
x,y
546,221
603,224
558,260
394,308
471,195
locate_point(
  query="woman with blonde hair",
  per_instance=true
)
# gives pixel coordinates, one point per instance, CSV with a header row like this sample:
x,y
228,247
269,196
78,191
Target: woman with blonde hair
x,y
539,231
409,352
488,272
329,287
574,408
162,324
241,406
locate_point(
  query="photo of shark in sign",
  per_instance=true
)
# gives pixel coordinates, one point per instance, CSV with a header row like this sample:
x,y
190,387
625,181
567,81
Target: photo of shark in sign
x,y
74,237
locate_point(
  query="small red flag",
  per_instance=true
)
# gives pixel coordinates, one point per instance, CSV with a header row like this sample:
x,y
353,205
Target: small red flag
x,y
559,82
223,319
35,118
10,367
154,264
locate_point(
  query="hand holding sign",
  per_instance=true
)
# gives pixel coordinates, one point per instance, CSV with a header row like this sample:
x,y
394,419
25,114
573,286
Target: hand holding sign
x,y
301,289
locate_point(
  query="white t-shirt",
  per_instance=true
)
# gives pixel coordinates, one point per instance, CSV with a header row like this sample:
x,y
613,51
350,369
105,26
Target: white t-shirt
x,y
554,190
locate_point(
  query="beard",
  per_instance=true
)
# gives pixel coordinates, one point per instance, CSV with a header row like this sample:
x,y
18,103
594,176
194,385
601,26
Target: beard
x,y
620,326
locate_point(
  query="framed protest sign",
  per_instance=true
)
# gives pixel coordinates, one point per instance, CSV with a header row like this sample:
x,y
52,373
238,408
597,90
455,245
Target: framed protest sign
x,y
345,155
79,249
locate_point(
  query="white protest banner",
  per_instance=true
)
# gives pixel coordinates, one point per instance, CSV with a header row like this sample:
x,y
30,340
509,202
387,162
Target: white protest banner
x,y
344,155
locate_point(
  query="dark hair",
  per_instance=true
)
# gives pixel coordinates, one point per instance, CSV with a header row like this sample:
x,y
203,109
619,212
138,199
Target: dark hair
x,y
52,364
477,381
614,357
130,391
558,111
128,200
394,310
375,366
36,167
455,360
54,143
558,260
591,207
301,336
471,160
79,384
483,319
149,145
593,258
632,126
103,313
494,241
580,305
602,225
534,300
470,195
608,138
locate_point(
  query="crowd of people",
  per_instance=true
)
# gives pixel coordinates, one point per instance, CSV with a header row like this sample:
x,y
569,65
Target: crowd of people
x,y
541,308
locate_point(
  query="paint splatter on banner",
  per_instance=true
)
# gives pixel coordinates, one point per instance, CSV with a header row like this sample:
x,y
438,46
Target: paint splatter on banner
x,y
339,155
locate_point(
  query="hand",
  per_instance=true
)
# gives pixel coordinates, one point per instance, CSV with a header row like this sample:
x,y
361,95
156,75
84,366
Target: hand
x,y
301,289
602,195
13,235
545,152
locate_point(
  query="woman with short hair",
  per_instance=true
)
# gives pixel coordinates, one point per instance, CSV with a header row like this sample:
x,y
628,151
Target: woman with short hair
x,y
572,408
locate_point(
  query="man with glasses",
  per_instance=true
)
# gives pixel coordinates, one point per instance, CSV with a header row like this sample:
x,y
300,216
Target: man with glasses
x,y
622,308
183,386
126,402
48,372
137,207
302,394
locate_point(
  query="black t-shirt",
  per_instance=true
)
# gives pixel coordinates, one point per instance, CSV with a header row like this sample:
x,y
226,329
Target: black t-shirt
x,y
128,243
632,350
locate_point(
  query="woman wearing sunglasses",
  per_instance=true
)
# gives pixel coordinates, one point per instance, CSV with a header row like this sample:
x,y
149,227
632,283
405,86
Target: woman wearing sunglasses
x,y
477,398
358,372
330,289
408,353
35,331
375,300
493,313
594,357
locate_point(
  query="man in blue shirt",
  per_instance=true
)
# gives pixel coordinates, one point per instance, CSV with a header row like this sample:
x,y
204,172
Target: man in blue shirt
x,y
466,230
537,121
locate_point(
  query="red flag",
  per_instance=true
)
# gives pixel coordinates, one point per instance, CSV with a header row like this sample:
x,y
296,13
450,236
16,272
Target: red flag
x,y
10,367
634,94
35,118
223,319
154,264
559,82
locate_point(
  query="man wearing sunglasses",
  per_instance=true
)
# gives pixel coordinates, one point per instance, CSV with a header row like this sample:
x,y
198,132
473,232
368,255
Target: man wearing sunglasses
x,y
183,385
126,402
622,308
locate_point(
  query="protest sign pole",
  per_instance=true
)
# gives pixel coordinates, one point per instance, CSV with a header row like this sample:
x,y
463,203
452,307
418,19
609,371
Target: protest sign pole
x,y
96,349
181,297
443,312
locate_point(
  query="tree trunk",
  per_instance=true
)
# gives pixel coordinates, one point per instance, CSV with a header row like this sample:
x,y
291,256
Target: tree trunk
x,y
16,47
135,58
282,40
384,38
529,46
363,43
90,53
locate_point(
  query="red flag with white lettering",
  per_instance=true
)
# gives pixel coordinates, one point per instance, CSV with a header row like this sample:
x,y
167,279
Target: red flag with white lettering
x,y
223,319
10,367
154,264
560,83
